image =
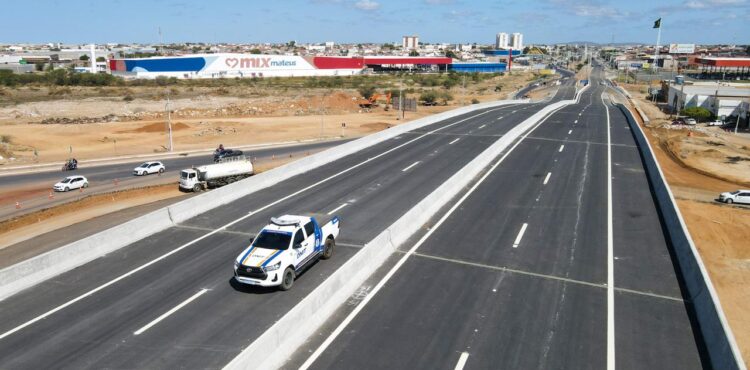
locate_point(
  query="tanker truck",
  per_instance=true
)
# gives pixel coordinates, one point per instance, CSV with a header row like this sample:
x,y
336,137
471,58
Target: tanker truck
x,y
214,175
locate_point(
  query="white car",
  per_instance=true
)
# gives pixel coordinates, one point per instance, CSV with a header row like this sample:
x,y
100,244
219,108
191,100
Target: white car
x,y
283,249
71,182
716,123
690,121
737,196
148,168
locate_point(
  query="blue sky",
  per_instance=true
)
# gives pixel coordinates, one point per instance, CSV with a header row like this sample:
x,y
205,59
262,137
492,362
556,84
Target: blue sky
x,y
543,21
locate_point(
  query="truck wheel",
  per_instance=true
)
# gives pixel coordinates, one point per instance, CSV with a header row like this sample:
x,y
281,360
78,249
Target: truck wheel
x,y
328,248
197,188
729,201
287,280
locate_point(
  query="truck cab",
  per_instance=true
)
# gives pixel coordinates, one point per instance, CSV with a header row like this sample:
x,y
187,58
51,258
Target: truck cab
x,y
283,249
188,178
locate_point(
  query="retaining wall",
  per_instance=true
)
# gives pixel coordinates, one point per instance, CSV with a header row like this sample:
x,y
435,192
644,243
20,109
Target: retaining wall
x,y
717,336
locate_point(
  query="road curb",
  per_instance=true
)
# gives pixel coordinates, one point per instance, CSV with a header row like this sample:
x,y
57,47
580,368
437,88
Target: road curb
x,y
274,347
719,341
32,271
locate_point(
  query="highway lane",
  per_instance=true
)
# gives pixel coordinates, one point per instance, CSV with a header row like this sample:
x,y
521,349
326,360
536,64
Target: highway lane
x,y
517,276
33,188
97,330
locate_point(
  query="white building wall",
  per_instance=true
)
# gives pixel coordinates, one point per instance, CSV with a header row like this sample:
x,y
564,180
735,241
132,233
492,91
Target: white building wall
x,y
410,42
516,41
501,41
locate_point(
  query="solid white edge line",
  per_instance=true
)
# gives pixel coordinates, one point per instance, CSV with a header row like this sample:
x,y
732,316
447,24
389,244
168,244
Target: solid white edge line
x,y
166,314
349,318
147,264
452,142
546,179
610,254
462,361
561,148
517,242
410,166
337,208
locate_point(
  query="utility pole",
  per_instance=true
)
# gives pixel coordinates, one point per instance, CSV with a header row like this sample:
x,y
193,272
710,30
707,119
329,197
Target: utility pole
x,y
737,124
321,115
169,121
464,90
401,100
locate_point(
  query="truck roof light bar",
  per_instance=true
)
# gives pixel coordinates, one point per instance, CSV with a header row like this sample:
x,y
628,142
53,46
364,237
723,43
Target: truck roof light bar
x,y
280,222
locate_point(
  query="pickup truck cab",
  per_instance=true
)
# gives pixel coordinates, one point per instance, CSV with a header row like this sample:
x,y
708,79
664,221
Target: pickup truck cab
x,y
283,249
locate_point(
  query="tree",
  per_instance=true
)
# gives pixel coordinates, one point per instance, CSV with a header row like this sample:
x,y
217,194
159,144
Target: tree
x,y
413,53
84,57
255,51
450,54
101,59
698,113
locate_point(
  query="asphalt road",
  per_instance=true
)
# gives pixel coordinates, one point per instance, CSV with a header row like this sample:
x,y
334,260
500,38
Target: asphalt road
x,y
89,325
33,188
480,293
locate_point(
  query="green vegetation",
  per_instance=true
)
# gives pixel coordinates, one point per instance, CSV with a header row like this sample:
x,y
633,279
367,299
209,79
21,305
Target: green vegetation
x,y
698,113
367,91
68,77
58,77
432,96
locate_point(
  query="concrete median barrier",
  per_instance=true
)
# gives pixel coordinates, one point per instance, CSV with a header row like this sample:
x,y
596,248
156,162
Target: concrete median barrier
x,y
721,347
276,344
37,269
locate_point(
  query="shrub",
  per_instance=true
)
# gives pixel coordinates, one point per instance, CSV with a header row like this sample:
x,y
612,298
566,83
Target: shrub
x,y
698,113
428,96
474,101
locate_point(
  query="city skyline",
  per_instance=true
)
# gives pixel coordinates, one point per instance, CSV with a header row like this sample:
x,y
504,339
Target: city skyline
x,y
376,21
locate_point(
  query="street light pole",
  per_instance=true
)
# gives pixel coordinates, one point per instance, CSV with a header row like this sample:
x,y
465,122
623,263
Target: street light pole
x,y
169,121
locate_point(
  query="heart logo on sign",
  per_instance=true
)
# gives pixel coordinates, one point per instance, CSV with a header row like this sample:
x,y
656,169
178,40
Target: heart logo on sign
x,y
231,62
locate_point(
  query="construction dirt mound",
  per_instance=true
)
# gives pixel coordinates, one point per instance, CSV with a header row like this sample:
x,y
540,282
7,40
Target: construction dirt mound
x,y
159,127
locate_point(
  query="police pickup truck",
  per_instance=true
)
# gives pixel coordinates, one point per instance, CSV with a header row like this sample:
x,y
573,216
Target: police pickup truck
x,y
284,248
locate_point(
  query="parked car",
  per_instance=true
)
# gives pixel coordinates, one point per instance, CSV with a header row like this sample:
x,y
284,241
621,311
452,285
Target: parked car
x,y
691,121
716,123
148,168
737,196
71,182
679,121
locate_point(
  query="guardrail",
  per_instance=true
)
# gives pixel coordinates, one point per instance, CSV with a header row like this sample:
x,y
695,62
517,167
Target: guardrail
x,y
719,341
274,346
27,273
